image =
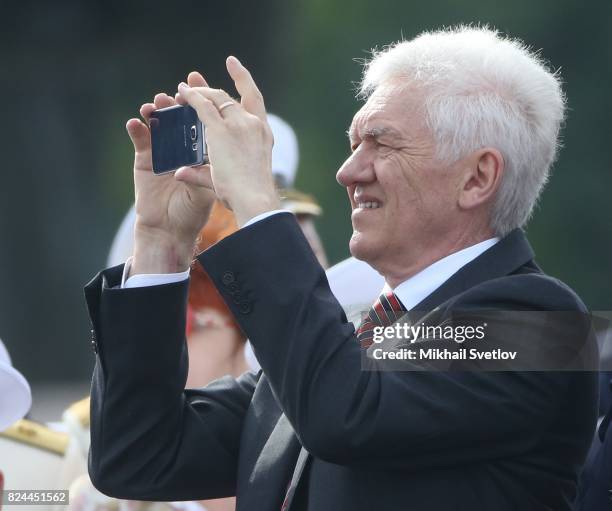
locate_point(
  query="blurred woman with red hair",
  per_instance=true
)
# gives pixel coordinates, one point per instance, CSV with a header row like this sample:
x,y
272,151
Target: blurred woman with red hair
x,y
215,341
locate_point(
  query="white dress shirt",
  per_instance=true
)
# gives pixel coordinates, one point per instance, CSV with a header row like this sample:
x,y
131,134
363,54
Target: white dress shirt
x,y
414,290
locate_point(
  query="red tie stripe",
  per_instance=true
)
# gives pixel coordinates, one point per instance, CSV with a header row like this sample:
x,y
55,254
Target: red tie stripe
x,y
385,311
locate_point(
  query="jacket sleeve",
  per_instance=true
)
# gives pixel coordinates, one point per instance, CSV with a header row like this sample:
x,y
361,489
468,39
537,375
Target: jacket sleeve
x,y
346,415
150,438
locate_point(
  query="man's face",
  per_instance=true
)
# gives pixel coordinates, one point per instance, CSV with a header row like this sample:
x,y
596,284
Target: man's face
x,y
402,198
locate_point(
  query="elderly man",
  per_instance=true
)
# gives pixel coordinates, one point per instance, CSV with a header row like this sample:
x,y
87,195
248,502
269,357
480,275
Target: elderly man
x,y
449,154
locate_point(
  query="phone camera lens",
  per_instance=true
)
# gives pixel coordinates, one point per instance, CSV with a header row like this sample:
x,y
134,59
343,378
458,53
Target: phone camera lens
x,y
194,133
194,146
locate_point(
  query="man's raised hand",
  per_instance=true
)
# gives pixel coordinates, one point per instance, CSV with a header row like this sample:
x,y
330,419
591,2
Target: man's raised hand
x,y
169,211
239,143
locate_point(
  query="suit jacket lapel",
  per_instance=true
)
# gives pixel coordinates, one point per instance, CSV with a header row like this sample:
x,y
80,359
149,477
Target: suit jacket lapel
x,y
503,258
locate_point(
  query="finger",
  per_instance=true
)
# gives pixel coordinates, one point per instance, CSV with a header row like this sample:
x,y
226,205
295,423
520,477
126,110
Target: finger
x,y
207,112
146,110
180,99
195,79
139,134
251,97
162,100
198,176
225,104
218,96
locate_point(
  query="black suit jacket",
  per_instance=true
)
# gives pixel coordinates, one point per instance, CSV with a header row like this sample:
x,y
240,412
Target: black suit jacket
x,y
377,440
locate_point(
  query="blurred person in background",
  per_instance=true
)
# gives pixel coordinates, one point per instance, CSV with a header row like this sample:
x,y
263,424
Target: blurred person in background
x,y
15,393
215,345
15,401
285,159
33,456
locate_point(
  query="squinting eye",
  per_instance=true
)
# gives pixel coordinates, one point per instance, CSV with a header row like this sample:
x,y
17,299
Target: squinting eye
x,y
354,147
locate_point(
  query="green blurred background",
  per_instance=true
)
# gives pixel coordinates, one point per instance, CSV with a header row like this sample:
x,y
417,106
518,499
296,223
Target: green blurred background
x,y
72,73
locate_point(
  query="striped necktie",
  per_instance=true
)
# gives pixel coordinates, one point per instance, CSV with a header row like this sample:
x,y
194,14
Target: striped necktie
x,y
385,311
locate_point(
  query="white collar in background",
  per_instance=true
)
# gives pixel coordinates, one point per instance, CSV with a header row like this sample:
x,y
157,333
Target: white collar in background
x,y
413,291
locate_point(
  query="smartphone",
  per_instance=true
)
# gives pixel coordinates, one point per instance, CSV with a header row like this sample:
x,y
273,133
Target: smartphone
x,y
177,139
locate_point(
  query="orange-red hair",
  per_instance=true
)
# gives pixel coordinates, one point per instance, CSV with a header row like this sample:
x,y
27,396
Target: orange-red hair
x,y
202,292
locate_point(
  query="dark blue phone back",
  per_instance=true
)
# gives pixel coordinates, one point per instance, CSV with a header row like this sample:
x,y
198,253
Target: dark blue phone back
x,y
177,139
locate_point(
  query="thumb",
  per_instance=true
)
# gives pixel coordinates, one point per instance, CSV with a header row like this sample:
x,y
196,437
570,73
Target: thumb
x,y
139,134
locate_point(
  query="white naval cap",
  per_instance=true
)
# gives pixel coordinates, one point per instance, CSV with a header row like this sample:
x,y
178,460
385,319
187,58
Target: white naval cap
x,y
285,153
15,393
123,242
285,158
355,283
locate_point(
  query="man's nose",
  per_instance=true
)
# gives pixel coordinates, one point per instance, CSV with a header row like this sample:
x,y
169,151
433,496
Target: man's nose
x,y
357,168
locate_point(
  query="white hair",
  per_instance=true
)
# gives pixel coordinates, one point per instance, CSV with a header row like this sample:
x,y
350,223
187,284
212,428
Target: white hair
x,y
482,90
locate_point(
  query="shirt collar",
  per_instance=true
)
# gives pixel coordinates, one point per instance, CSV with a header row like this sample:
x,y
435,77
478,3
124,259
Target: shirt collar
x,y
419,286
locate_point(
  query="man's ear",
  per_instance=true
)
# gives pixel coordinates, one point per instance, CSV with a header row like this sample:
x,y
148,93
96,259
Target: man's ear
x,y
482,173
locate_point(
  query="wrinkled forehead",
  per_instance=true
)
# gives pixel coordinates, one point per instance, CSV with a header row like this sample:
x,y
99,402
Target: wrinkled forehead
x,y
391,107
